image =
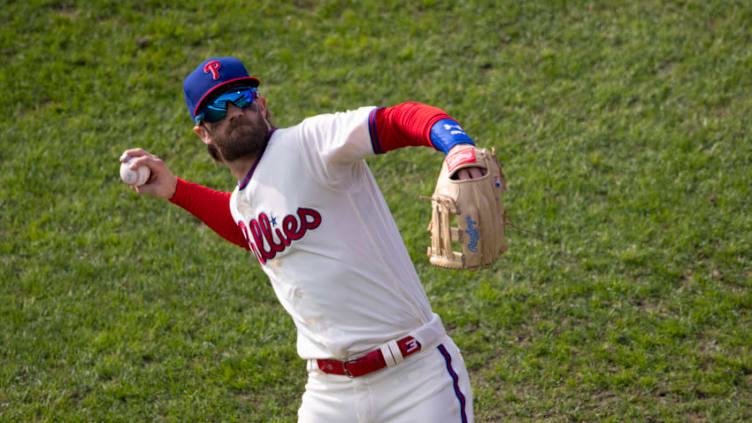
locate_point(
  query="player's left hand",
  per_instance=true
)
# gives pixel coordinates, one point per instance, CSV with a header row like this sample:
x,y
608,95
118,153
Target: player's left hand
x,y
470,173
472,201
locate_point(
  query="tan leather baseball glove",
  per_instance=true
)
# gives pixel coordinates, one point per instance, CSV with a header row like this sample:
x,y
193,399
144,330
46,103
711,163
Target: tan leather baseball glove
x,y
467,220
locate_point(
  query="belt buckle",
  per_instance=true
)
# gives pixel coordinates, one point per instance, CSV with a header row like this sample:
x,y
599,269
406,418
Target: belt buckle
x,y
344,368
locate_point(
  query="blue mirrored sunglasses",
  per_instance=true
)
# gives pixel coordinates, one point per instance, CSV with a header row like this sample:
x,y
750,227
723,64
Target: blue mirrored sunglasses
x,y
217,109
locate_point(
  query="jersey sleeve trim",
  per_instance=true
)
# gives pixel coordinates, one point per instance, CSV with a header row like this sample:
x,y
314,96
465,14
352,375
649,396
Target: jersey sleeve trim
x,y
373,131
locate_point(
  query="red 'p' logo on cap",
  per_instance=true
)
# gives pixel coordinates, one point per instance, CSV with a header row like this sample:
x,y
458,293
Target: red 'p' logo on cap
x,y
212,67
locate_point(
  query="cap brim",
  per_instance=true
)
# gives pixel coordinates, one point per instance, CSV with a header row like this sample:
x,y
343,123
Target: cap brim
x,y
254,82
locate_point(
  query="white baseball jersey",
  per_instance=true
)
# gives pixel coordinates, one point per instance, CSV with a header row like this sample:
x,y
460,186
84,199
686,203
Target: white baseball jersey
x,y
314,217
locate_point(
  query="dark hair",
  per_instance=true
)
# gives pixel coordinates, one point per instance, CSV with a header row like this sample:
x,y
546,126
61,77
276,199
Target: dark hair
x,y
213,152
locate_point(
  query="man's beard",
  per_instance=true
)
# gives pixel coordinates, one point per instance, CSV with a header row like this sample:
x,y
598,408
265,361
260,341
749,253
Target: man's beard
x,y
246,138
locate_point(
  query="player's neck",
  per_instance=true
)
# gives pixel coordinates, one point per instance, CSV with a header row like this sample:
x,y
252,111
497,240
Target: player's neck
x,y
239,168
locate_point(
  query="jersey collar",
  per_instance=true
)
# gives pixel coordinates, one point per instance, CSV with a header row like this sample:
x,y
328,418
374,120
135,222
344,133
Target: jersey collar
x,y
244,183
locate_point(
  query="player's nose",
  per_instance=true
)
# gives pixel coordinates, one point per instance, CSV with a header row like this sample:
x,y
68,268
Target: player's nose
x,y
233,110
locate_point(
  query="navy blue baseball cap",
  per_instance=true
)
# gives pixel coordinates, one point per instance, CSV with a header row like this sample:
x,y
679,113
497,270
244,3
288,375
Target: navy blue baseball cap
x,y
210,75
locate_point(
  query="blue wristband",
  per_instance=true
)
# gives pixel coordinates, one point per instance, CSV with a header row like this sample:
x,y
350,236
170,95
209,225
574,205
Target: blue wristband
x,y
447,133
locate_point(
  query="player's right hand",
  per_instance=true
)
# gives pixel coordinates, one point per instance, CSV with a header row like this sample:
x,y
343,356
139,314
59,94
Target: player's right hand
x,y
161,183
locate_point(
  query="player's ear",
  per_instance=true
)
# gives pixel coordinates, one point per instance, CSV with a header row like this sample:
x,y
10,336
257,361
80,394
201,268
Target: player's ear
x,y
261,100
203,133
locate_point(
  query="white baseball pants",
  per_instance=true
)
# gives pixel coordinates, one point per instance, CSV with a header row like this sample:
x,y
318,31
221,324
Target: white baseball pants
x,y
429,386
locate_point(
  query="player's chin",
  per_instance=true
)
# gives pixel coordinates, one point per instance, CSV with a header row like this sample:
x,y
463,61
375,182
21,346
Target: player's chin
x,y
241,133
242,147
252,136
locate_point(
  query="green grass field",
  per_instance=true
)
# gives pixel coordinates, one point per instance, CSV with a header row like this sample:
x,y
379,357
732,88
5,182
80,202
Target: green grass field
x,y
622,126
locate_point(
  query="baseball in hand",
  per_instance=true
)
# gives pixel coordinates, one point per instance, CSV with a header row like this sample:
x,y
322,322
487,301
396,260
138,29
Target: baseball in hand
x,y
136,177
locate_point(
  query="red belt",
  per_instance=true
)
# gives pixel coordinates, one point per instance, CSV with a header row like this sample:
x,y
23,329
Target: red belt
x,y
370,362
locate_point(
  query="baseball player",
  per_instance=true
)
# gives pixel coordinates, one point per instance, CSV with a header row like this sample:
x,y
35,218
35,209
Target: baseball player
x,y
308,209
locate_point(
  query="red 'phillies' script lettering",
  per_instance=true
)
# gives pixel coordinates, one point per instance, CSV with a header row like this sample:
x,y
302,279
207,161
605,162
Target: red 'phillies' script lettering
x,y
459,158
266,241
212,67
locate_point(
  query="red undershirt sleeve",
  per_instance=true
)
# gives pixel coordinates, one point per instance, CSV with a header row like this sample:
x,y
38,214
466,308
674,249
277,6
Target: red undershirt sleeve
x,y
211,207
403,125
